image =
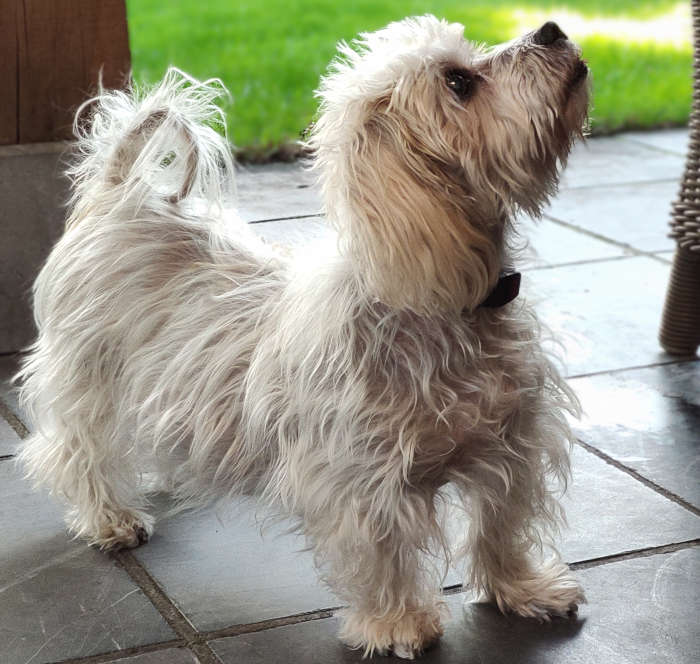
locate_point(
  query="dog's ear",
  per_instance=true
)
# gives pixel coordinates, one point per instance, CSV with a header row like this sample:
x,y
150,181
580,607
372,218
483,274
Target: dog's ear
x,y
406,219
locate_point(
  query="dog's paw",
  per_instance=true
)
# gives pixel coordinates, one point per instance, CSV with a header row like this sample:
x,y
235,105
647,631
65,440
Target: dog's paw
x,y
123,530
550,591
406,637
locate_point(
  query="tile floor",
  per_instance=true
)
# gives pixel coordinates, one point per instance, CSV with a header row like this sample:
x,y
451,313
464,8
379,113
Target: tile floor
x,y
213,588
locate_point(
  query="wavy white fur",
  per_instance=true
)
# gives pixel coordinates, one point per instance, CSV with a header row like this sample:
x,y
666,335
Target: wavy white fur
x,y
349,391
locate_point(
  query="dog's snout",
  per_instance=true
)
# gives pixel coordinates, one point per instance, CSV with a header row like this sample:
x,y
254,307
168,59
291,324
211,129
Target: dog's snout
x,y
548,34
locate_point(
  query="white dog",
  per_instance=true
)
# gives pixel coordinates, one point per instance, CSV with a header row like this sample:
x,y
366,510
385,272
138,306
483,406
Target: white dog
x,y
349,391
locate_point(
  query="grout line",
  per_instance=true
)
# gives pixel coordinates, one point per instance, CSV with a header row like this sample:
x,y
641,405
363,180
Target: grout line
x,y
315,215
12,419
639,477
604,238
589,261
295,619
196,640
235,630
635,553
120,654
630,250
456,589
656,148
165,606
635,183
689,359
553,266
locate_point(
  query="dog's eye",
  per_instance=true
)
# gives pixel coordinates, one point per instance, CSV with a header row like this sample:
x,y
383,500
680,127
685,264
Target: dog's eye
x,y
461,82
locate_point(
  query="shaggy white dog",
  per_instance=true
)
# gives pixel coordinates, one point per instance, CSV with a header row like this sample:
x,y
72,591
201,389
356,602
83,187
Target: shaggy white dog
x,y
349,391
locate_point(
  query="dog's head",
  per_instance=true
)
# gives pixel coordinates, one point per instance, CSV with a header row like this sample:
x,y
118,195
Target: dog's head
x,y
427,144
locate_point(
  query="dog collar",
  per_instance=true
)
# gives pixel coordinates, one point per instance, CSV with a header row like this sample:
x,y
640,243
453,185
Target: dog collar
x,y
505,290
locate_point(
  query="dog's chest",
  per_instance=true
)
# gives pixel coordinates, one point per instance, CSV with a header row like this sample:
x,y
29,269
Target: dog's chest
x,y
457,381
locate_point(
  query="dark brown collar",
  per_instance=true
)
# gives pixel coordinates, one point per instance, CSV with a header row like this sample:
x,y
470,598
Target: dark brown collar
x,y
505,291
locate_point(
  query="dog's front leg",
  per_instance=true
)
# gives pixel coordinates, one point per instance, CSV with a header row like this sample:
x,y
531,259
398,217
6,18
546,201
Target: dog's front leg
x,y
374,552
509,526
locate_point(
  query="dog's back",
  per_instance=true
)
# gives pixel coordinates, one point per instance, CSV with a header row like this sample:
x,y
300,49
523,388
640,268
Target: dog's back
x,y
148,308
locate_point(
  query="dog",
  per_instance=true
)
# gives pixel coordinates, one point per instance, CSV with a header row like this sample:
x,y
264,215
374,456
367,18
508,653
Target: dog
x,y
360,392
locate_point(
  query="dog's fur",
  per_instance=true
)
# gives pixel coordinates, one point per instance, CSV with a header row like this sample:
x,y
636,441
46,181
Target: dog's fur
x,y
350,390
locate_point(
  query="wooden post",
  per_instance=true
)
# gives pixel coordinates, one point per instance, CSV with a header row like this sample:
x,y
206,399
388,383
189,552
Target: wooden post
x,y
51,54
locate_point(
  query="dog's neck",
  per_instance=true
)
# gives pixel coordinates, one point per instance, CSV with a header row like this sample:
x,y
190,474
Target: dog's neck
x,y
419,247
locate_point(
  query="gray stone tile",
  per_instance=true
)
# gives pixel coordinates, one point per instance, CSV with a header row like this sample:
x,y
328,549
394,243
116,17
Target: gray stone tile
x,y
545,243
234,573
9,440
301,234
671,140
648,419
605,314
665,255
288,190
610,512
636,215
33,193
550,244
276,191
614,160
169,656
640,611
8,392
59,598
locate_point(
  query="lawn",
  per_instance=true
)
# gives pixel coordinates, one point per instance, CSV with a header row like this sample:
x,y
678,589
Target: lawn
x,y
270,53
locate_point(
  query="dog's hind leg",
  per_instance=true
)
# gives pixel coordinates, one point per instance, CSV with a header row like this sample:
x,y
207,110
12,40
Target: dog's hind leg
x,y
101,488
79,451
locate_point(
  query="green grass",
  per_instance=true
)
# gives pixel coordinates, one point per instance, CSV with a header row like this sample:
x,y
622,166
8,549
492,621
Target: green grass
x,y
270,54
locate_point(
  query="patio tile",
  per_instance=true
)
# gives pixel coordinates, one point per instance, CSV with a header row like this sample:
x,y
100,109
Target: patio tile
x,y
547,242
640,611
9,440
610,512
605,314
614,160
648,419
298,233
550,244
276,191
665,255
220,570
636,215
59,598
169,656
8,393
671,140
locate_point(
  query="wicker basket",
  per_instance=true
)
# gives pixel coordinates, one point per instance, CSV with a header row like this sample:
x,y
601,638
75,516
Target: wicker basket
x,y
680,327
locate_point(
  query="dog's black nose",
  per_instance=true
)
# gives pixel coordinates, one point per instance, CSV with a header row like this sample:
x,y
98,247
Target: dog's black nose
x,y
548,34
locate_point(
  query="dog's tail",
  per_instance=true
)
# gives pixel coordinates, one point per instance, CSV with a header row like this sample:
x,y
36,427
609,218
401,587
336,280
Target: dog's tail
x,y
149,147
